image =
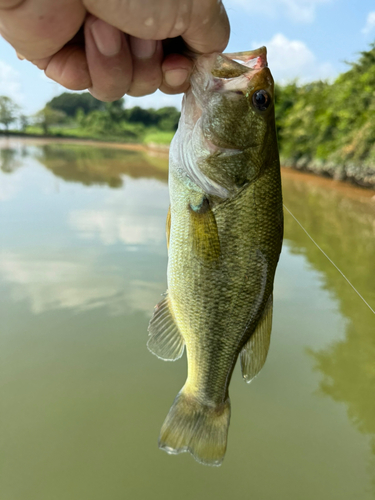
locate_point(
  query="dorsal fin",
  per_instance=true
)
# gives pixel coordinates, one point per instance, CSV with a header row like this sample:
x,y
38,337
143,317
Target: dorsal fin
x,y
254,353
165,341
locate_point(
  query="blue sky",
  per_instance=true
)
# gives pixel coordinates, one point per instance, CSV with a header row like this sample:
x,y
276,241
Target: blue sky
x,y
306,39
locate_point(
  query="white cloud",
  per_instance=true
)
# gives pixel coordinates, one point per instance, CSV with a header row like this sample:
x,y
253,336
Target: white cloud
x,y
10,83
292,59
156,100
370,23
301,10
297,10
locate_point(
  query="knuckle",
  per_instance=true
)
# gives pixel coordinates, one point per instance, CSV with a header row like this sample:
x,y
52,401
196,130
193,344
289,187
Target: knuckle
x,y
10,4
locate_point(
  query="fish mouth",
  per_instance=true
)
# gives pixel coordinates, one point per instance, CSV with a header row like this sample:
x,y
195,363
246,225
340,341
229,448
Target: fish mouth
x,y
241,62
229,71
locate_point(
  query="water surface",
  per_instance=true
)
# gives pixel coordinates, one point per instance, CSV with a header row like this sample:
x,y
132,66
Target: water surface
x,y
82,264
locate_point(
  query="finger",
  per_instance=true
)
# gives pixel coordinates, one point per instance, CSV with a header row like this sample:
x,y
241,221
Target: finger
x,y
202,23
176,74
109,60
209,29
40,28
146,19
147,74
10,4
41,63
68,68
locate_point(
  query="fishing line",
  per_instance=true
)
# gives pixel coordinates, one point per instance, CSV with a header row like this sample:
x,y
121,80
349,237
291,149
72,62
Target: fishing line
x,y
330,260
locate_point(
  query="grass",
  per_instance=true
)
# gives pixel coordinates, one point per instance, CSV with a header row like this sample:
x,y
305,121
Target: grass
x,y
158,137
149,136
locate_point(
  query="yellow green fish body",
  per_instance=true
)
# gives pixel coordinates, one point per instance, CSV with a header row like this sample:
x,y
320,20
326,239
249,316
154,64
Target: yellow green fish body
x,y
225,233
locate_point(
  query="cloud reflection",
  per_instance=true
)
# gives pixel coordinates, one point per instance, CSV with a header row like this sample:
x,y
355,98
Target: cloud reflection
x,y
78,283
112,227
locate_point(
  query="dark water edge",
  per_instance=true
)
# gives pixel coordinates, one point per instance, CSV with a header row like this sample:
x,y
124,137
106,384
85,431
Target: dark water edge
x,y
68,139
56,136
352,173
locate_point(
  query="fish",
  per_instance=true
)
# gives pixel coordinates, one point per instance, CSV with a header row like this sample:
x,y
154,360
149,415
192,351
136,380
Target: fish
x,y
224,236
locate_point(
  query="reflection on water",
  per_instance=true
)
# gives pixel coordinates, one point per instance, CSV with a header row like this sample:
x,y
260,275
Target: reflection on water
x,y
8,160
345,228
94,165
72,283
83,262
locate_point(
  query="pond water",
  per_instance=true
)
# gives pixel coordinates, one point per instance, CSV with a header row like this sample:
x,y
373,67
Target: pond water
x,y
82,264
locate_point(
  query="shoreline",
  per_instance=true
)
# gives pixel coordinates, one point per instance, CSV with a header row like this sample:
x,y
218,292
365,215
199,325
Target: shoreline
x,y
44,140
347,188
162,150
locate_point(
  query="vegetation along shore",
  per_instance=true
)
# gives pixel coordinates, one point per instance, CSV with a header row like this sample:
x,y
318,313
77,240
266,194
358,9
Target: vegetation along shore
x,y
327,128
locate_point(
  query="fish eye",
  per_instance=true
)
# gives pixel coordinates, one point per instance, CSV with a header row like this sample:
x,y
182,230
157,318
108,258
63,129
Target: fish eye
x,y
261,100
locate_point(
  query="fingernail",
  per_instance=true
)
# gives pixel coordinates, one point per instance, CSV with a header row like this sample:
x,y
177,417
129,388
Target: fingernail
x,y
107,38
142,49
20,57
176,77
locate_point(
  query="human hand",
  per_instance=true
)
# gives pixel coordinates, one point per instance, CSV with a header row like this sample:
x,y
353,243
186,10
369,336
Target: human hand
x,y
119,51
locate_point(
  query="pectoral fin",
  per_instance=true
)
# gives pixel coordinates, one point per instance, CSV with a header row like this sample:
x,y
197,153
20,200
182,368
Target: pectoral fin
x,y
204,233
254,354
168,226
165,341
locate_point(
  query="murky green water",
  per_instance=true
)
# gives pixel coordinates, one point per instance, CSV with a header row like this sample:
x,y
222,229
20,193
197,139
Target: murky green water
x,y
83,262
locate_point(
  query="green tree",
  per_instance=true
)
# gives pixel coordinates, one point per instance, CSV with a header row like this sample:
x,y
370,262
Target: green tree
x,y
163,118
24,122
70,103
285,98
115,110
47,117
80,117
98,122
168,118
8,111
329,127
8,160
137,114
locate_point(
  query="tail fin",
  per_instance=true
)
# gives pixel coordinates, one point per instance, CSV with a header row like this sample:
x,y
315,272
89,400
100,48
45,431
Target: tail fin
x,y
200,429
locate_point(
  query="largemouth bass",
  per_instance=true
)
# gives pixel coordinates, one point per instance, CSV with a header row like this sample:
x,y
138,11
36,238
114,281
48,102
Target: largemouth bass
x,y
224,233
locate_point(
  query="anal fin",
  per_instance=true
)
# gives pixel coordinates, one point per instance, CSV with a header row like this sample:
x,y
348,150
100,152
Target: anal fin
x,y
165,341
254,353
